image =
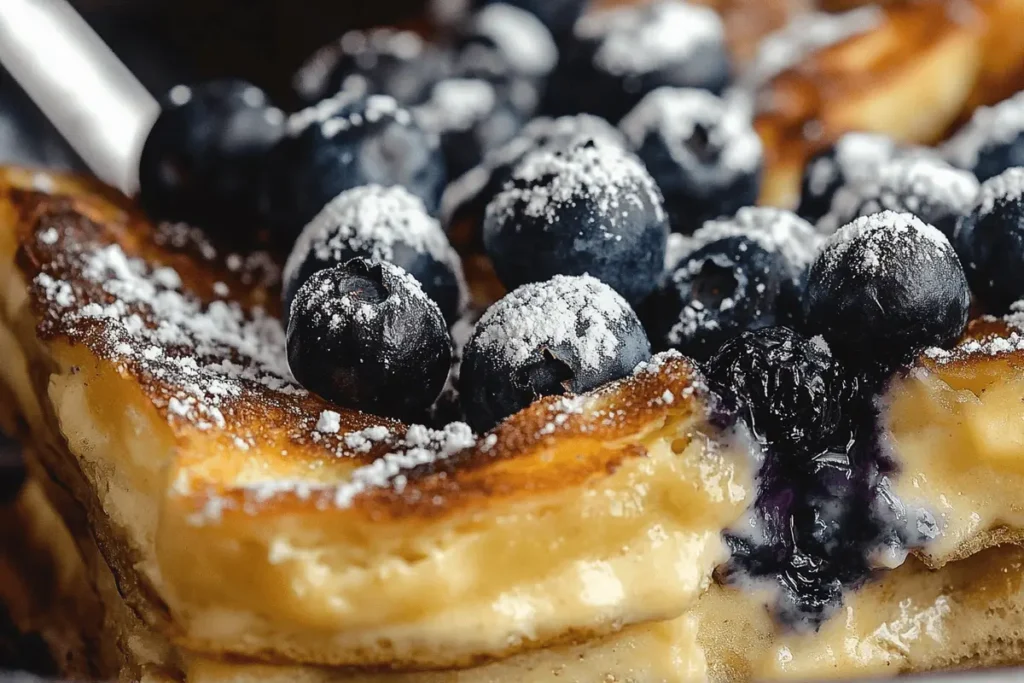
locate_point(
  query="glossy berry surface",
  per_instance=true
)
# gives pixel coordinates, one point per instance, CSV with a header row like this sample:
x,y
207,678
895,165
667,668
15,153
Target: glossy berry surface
x,y
363,335
380,61
884,287
558,16
592,208
791,389
928,188
716,292
990,241
704,155
345,142
618,55
992,141
853,158
204,157
565,335
381,224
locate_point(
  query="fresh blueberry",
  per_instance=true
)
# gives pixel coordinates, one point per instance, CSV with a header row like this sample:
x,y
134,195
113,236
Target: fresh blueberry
x,y
616,56
364,335
992,141
558,16
565,335
990,241
522,43
853,158
705,155
381,224
345,142
884,287
470,116
791,389
204,158
728,286
466,198
928,188
381,61
592,208
793,239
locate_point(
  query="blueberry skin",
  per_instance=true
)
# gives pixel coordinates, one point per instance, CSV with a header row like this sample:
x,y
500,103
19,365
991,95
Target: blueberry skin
x,y
602,215
558,15
715,293
537,342
346,142
203,160
364,336
382,224
854,157
994,158
990,243
883,288
793,391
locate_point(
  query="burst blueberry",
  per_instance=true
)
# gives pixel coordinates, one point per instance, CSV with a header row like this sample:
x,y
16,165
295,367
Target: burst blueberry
x,y
704,155
592,208
565,335
363,335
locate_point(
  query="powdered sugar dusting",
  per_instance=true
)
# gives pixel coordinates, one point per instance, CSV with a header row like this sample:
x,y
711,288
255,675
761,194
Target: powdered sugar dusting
x,y
457,104
1008,186
885,232
519,35
773,229
996,125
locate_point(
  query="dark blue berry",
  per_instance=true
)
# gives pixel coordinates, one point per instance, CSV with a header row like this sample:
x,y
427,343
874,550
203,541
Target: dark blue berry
x,y
345,142
616,56
504,39
990,241
381,61
705,157
790,388
592,208
723,288
558,16
883,288
853,158
992,141
204,158
926,187
364,336
381,224
565,335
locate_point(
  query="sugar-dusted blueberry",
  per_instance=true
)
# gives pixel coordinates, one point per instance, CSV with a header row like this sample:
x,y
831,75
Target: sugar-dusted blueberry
x,y
618,55
363,335
565,335
203,160
791,388
381,224
591,208
884,287
725,287
992,141
344,142
524,45
704,154
382,61
557,15
926,187
990,241
465,199
853,157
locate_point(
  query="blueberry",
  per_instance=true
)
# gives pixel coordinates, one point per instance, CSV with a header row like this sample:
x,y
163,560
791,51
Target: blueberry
x,y
992,141
793,239
990,241
853,158
520,41
558,16
616,56
589,209
928,188
568,334
790,388
345,142
382,224
364,335
381,61
203,160
470,116
705,155
716,292
466,198
884,287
